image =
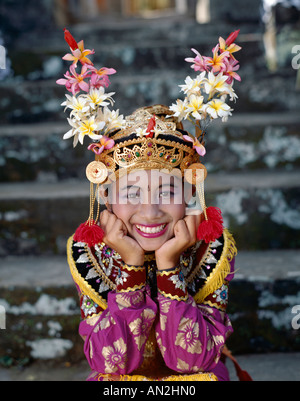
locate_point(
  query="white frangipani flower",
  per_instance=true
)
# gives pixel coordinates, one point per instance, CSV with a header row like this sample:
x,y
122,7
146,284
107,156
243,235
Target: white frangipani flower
x,y
179,109
98,97
218,108
195,106
78,105
193,86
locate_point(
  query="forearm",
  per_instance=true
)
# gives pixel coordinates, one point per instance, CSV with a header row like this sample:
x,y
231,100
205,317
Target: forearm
x,y
190,336
115,341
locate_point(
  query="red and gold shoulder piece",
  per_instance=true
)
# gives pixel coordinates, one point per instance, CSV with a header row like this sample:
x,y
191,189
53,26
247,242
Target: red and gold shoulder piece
x,y
94,270
211,266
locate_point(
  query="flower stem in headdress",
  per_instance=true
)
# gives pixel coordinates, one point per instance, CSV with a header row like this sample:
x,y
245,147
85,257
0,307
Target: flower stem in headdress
x,y
89,117
205,100
206,94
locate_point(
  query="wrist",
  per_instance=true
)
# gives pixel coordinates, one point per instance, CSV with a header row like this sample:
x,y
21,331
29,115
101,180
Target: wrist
x,y
136,260
166,264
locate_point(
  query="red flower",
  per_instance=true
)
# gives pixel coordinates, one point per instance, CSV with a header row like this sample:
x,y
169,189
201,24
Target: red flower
x,y
151,126
70,40
231,38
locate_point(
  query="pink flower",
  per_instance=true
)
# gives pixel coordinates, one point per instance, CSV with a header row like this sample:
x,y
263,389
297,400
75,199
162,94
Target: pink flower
x,y
231,66
217,61
105,143
228,45
199,62
75,82
100,77
200,149
79,54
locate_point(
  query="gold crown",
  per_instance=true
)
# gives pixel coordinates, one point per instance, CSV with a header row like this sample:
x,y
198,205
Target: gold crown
x,y
134,148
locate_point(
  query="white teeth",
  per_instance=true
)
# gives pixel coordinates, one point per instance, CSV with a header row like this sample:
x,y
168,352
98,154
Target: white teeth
x,y
151,230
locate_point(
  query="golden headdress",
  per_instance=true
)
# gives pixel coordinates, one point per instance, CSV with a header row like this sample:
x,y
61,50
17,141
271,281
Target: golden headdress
x,y
152,137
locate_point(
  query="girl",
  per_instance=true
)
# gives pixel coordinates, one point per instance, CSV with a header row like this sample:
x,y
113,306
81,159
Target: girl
x,y
152,276
153,297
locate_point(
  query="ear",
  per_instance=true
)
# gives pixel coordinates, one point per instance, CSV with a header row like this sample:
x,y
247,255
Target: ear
x,y
190,195
104,198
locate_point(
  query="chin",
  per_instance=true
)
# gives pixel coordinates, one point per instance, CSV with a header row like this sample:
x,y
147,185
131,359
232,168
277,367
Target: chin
x,y
150,246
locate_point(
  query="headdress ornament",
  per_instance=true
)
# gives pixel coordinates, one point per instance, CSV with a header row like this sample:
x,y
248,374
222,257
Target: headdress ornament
x,y
152,137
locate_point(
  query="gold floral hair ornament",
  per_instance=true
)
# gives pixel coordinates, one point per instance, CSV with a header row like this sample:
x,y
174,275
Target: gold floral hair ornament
x,y
152,137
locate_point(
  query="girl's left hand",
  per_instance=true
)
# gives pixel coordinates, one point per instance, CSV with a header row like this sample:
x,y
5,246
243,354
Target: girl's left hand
x,y
185,235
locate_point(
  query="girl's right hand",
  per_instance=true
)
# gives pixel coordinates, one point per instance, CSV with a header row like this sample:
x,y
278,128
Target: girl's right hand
x,y
116,237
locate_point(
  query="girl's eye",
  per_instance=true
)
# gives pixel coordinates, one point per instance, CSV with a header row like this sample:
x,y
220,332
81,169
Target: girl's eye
x,y
166,194
133,196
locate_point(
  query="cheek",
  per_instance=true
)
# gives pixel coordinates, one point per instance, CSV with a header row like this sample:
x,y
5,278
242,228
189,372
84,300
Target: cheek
x,y
123,212
176,211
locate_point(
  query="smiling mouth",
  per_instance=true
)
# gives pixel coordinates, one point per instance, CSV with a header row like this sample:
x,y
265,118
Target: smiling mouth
x,y
151,231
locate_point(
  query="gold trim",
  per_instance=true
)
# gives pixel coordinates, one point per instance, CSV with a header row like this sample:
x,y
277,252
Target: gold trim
x,y
98,269
132,268
215,305
130,289
183,377
190,278
149,257
85,288
174,297
221,271
168,272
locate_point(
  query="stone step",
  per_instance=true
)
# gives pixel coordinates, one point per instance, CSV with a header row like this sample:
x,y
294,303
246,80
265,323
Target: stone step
x,y
261,208
40,100
37,152
40,306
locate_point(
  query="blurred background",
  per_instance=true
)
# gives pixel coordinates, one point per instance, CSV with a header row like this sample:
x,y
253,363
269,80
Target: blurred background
x,y
253,161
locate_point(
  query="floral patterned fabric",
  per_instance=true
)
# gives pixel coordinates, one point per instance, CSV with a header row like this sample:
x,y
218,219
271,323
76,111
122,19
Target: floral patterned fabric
x,y
162,328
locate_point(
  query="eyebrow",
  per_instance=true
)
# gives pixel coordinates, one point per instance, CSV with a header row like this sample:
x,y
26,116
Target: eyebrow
x,y
129,187
169,185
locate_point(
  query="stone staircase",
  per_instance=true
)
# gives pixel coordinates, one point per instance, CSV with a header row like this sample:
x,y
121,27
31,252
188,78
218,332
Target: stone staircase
x,y
253,162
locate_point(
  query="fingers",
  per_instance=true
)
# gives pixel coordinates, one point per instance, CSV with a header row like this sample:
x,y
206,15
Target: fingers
x,y
104,216
192,223
186,230
112,226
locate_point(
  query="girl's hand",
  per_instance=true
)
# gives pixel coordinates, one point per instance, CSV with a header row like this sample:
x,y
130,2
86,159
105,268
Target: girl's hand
x,y
116,237
185,235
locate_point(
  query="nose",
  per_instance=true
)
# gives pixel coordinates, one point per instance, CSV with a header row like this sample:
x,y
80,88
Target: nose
x,y
149,211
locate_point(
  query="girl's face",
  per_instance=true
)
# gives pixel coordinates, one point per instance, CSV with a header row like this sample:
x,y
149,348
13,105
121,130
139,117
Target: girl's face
x,y
149,202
